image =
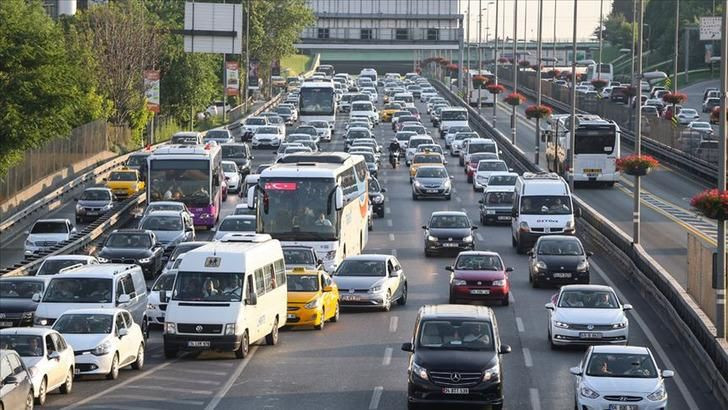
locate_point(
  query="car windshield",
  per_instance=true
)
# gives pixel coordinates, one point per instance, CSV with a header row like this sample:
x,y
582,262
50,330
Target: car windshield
x,y
295,256
449,221
361,107
162,223
123,176
96,195
319,124
84,323
481,147
164,282
479,262
560,247
431,172
456,335
454,115
255,121
502,180
24,345
283,110
129,241
430,147
20,289
50,227
701,125
210,287
229,167
267,130
358,134
462,136
414,143
415,128
404,137
492,166
631,365
184,247
427,159
368,157
688,111
302,283
78,290
546,205
164,207
499,198
362,268
234,151
238,225
53,266
135,161
588,299
217,134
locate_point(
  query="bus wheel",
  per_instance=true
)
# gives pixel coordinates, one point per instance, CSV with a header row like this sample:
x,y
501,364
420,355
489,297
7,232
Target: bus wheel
x,y
242,351
272,337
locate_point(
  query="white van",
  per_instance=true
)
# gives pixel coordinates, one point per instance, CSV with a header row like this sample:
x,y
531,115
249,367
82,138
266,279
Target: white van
x,y
542,206
369,73
452,116
227,295
364,109
406,98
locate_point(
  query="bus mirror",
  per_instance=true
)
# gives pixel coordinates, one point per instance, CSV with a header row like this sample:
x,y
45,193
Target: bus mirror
x,y
339,198
251,197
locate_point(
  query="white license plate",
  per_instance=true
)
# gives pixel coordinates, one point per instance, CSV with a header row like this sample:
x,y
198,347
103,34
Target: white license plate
x,y
198,343
6,324
623,407
590,335
480,292
450,245
455,390
93,213
290,316
562,274
504,218
431,191
350,297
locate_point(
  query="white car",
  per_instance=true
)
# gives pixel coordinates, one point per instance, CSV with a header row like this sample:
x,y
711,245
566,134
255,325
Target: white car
x,y
55,264
414,142
232,176
233,224
323,129
47,356
220,135
290,148
267,136
373,95
365,108
252,124
452,131
688,115
620,377
483,171
701,127
104,340
587,314
46,233
456,145
165,281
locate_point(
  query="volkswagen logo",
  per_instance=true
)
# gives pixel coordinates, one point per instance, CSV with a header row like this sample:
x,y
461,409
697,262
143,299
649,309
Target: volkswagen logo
x,y
198,328
590,327
449,239
2,315
480,283
623,398
352,290
455,377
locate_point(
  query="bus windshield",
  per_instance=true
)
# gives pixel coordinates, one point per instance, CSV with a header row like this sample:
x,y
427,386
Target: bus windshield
x,y
180,180
317,101
546,205
298,209
208,287
594,142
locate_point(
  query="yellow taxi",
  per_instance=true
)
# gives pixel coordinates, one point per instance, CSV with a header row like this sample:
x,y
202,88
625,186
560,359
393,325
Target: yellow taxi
x,y
313,298
424,159
125,182
385,115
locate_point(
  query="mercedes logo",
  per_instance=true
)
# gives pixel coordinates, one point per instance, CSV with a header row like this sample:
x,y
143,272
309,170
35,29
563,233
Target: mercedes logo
x,y
562,267
198,328
480,283
623,398
455,377
590,327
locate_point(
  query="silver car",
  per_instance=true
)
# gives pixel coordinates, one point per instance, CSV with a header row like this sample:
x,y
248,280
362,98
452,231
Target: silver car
x,y
170,227
371,280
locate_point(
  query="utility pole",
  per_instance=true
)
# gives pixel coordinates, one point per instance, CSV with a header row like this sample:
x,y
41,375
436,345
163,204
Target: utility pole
x,y
467,58
601,29
538,79
572,129
495,58
634,48
638,125
555,4
720,307
677,31
480,54
525,29
247,54
515,69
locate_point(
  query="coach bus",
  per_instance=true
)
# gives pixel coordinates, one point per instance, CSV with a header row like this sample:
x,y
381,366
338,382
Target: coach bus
x,y
485,96
317,102
191,174
319,200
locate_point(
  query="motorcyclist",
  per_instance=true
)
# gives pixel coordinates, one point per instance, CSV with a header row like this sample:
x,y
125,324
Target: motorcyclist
x,y
394,146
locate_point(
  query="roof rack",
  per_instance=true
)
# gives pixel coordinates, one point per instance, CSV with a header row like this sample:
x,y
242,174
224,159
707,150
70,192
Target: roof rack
x,y
70,267
541,175
250,237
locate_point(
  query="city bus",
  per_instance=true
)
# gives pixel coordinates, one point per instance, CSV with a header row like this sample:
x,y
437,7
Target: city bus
x,y
485,96
317,102
596,148
318,200
191,174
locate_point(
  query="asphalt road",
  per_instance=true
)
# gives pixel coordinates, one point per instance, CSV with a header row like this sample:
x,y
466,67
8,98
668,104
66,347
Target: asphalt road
x,y
357,363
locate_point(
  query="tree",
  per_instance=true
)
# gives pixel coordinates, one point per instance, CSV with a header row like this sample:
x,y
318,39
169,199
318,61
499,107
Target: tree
x,y
45,86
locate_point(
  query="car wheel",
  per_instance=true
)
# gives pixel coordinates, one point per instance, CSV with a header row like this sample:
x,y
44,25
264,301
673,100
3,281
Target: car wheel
x,y
67,385
29,401
513,242
169,352
387,306
380,213
497,406
412,406
114,372
483,221
322,323
337,314
506,301
42,392
414,197
451,299
551,342
242,351
272,337
139,362
427,253
403,299
448,197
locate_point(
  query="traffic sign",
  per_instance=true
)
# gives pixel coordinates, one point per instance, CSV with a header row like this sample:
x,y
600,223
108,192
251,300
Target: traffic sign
x,y
710,28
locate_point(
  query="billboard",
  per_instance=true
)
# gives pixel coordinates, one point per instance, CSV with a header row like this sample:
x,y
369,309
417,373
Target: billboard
x,y
710,28
213,28
253,79
232,77
151,89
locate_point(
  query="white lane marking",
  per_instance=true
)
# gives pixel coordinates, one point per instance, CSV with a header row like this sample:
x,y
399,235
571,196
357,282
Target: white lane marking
x,y
479,236
527,357
155,398
389,222
535,399
387,210
689,399
519,325
391,236
229,383
511,298
117,407
172,389
387,357
376,396
195,371
393,321
183,380
394,252
457,198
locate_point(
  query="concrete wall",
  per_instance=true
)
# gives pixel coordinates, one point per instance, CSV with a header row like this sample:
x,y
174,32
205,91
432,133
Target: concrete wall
x,y
700,274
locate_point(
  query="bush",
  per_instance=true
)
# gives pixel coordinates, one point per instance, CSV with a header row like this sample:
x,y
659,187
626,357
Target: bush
x,y
674,98
514,99
504,60
479,81
495,88
524,64
636,164
599,84
712,203
538,112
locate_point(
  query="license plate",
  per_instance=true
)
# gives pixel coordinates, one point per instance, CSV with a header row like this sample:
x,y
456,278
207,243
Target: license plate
x,y
562,274
290,316
92,213
6,324
590,335
592,170
431,191
480,292
455,390
198,343
450,245
350,297
623,407
504,218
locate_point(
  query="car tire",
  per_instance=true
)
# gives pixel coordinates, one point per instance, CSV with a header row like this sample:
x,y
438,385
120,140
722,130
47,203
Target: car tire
x,y
403,299
321,325
513,242
506,301
30,400
380,213
114,372
139,362
448,197
551,342
387,306
428,253
242,351
169,352
271,338
412,406
483,220
42,392
451,299
496,406
337,314
67,386
414,197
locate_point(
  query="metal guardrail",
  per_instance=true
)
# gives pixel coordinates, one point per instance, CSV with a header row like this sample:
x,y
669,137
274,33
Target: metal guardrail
x,y
687,322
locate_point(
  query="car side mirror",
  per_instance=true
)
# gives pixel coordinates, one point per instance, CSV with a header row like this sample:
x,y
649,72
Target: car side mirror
x,y
667,373
549,306
252,157
26,232
576,371
408,347
530,253
328,289
514,213
589,254
577,213
10,380
627,307
480,201
509,269
54,356
123,299
36,297
473,227
252,299
75,199
163,296
452,177
123,332
504,349
383,190
424,227
450,268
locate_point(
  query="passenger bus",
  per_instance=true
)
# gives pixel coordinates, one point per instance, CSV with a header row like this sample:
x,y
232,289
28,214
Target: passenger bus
x,y
318,200
485,96
191,174
326,69
317,102
607,72
596,148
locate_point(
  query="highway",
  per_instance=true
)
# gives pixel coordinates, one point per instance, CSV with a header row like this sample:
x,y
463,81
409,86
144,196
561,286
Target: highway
x,y
357,363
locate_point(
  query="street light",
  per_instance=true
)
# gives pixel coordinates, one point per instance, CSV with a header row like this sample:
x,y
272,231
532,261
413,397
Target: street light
x,y
495,59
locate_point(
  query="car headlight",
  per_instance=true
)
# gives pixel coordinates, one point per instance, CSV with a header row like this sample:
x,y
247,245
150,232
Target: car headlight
x,y
432,238
458,282
446,183
144,260
659,394
314,304
79,208
562,325
468,238
230,329
499,282
28,242
102,259
418,184
492,374
107,207
583,266
170,328
490,211
419,371
523,227
375,289
588,393
541,265
620,325
40,321
378,199
27,315
102,349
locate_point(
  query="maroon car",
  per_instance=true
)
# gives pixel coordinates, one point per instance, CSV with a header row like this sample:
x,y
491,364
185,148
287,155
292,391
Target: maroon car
x,y
479,276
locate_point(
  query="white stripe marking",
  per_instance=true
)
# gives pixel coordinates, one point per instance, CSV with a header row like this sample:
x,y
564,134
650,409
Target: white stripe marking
x,y
387,209
479,236
387,357
519,325
389,222
156,398
195,371
229,383
376,396
172,389
184,380
535,399
527,357
393,321
511,298
117,407
391,236
457,198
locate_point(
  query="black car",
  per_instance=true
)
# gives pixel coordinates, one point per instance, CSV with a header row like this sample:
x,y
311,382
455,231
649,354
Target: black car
x,y
376,196
239,154
455,357
138,161
16,387
558,260
17,307
135,246
449,231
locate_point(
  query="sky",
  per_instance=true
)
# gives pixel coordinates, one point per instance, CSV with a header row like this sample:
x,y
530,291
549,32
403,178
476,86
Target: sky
x,y
587,18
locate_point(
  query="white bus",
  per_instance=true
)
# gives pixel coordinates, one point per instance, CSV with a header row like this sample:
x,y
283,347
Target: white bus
x,y
596,148
606,74
485,96
317,102
227,295
318,200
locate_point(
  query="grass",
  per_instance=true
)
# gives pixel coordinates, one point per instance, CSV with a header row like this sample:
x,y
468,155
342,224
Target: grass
x,y
294,65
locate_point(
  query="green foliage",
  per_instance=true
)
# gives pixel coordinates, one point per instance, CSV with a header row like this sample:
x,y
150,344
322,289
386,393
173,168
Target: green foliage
x,y
45,86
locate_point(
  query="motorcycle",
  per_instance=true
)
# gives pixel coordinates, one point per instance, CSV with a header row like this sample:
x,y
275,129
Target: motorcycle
x,y
394,158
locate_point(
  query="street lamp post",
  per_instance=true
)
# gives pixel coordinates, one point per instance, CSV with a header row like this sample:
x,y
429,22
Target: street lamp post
x,y
638,125
480,54
572,128
515,69
721,314
538,79
601,30
495,59
555,4
677,33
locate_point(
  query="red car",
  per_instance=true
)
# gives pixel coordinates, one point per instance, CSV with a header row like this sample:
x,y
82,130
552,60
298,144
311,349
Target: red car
x,y
479,276
473,163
